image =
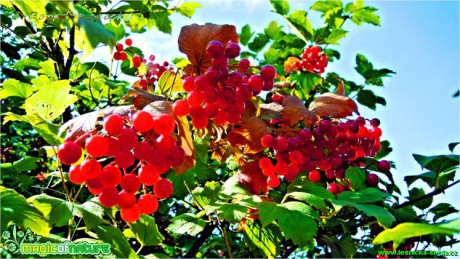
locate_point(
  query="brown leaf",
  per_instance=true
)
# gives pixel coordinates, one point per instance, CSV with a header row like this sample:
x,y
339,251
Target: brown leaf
x,y
289,64
253,129
340,88
250,176
141,98
223,150
294,110
194,38
88,121
333,105
270,111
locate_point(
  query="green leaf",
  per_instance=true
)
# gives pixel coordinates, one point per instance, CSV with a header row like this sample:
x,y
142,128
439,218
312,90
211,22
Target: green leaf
x,y
326,5
6,20
309,198
27,63
186,224
384,151
208,194
181,181
369,99
265,238
168,82
119,245
162,21
357,177
146,231
245,35
407,230
34,10
452,146
335,36
23,165
437,164
368,195
415,193
428,177
258,43
331,54
280,6
118,30
93,31
295,219
56,211
47,68
441,210
366,15
382,215
366,69
51,101
188,8
91,214
302,184
305,82
13,87
272,30
301,25
15,209
231,212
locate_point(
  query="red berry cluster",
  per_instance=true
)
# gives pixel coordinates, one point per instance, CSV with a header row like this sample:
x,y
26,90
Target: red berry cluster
x,y
154,70
148,141
120,54
326,150
222,91
313,60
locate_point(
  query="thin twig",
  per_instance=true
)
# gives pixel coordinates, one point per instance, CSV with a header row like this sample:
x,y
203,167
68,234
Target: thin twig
x,y
25,41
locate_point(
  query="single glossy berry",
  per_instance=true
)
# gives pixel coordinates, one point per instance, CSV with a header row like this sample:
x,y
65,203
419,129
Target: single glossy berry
x,y
195,98
147,203
142,121
164,124
123,56
334,188
113,124
281,168
244,64
137,61
142,150
97,146
200,122
91,168
148,175
372,180
152,57
267,166
124,158
75,175
94,186
273,181
126,200
127,139
110,176
267,141
128,42
119,47
166,144
189,83
117,55
375,122
163,188
202,83
268,72
130,215
69,153
375,132
256,83
280,144
215,49
232,50
314,176
130,183
296,157
210,110
181,108
384,165
108,197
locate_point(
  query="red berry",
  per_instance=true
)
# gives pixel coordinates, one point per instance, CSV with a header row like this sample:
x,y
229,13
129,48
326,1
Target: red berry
x,y
372,180
181,108
281,168
94,186
142,150
195,98
147,203
117,56
314,176
200,122
148,175
189,83
296,157
108,197
268,72
128,42
375,122
232,50
267,141
256,83
137,61
334,188
324,164
152,57
163,188
97,146
142,121
384,166
126,200
273,181
361,121
164,124
166,144
123,56
127,139
124,159
69,152
280,144
113,124
75,175
267,166
215,49
244,64
375,132
119,47
91,168
130,215
202,83
110,176
130,183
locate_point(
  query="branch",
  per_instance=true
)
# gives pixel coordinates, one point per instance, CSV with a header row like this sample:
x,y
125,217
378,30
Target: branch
x,y
26,42
72,52
207,231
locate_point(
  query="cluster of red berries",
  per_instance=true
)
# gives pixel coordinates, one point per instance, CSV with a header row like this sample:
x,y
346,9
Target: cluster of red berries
x,y
120,54
222,91
326,150
149,141
154,70
313,60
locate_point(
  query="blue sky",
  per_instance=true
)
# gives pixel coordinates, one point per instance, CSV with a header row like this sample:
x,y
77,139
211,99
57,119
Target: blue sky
x,y
419,40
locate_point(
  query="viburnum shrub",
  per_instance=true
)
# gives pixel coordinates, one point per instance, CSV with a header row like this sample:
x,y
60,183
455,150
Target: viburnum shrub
x,y
248,145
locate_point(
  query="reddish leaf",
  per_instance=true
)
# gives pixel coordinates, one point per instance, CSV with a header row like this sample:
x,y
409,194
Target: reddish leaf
x,y
289,64
294,110
333,105
141,97
223,150
340,88
194,38
250,176
253,129
270,111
